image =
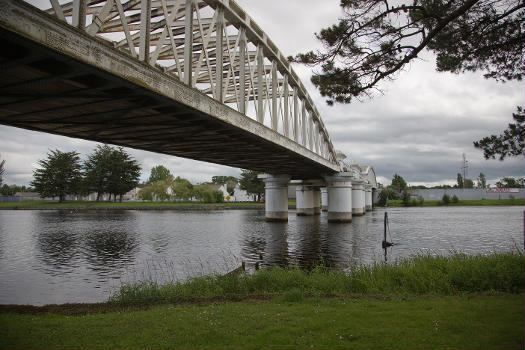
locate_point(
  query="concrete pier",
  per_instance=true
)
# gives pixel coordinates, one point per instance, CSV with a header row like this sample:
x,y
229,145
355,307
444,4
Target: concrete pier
x,y
317,200
368,197
276,197
324,199
340,197
304,196
358,198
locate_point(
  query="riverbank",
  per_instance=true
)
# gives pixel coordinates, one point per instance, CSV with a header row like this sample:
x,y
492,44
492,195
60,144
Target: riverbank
x,y
461,203
458,301
44,205
84,205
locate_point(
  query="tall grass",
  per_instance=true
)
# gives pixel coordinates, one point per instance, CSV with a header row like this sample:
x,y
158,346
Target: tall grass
x,y
421,274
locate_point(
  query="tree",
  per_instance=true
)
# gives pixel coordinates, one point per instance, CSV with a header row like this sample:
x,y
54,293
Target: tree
x,y
460,181
124,175
374,40
405,197
221,180
2,170
510,143
510,182
468,183
111,170
182,189
398,184
159,173
59,175
97,169
482,181
386,194
251,183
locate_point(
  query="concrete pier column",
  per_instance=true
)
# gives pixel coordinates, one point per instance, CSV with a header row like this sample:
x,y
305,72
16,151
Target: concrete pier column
x,y
340,197
304,197
276,197
368,198
317,200
324,199
358,198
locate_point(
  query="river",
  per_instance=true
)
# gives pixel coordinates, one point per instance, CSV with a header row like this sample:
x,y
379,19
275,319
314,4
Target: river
x,y
52,256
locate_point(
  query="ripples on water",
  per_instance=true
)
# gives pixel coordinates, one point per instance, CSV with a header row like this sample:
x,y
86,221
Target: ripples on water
x,y
62,256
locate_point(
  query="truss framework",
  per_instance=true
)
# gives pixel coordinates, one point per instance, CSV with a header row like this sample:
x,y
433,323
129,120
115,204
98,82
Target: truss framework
x,y
213,46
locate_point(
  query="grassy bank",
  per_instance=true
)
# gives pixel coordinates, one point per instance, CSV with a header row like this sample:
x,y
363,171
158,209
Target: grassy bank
x,y
429,302
127,205
419,275
459,322
477,202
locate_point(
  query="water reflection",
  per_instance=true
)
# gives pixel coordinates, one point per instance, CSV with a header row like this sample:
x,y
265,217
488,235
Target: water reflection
x,y
110,249
57,248
76,256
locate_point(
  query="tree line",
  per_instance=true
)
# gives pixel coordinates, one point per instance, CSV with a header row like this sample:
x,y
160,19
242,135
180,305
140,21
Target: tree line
x,y
163,186
107,170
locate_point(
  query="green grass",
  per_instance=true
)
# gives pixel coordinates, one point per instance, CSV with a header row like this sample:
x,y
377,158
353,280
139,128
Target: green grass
x,y
419,275
425,302
477,202
123,205
453,322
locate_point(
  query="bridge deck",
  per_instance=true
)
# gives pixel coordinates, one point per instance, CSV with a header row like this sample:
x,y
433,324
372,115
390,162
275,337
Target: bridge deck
x,y
46,90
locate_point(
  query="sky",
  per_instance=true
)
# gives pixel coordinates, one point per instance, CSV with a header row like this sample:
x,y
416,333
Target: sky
x,y
419,126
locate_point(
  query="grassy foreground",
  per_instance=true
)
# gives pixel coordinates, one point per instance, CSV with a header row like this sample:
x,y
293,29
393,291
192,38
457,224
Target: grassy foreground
x,y
455,302
453,322
419,275
460,203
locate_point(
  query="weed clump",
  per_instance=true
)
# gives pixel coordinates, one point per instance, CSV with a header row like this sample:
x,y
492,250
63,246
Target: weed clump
x,y
418,275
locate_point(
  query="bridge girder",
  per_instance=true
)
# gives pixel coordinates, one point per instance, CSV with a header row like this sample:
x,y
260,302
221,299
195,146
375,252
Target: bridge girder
x,y
211,46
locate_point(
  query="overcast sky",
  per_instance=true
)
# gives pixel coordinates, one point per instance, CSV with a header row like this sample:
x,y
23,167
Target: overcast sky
x,y
418,128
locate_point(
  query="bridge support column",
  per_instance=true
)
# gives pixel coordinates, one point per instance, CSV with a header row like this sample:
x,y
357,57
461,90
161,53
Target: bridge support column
x,y
368,198
304,196
324,198
276,197
340,197
317,201
358,198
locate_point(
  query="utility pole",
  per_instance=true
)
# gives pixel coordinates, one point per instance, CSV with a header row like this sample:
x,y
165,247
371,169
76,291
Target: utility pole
x,y
465,167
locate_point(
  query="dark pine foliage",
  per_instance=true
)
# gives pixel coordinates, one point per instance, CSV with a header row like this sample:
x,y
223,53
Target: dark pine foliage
x,y
375,39
510,143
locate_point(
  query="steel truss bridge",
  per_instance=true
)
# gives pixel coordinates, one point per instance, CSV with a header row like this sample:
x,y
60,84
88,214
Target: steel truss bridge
x,y
190,78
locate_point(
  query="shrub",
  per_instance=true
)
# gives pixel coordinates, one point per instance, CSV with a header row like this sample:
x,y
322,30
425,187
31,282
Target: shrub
x,y
405,197
454,199
420,200
446,198
219,196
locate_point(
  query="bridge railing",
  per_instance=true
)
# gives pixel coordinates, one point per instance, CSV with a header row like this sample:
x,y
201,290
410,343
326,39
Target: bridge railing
x,y
213,46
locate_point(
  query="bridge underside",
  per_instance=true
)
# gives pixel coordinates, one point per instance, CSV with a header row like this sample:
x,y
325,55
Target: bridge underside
x,y
43,90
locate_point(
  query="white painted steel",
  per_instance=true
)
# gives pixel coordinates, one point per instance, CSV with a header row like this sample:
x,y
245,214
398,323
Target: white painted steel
x,y
213,46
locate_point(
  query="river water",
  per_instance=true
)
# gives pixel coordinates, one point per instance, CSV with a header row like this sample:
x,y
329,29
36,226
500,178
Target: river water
x,y
81,256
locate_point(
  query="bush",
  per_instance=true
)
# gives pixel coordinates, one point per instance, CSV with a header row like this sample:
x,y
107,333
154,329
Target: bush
x,y
420,200
405,197
219,196
454,199
446,198
386,194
